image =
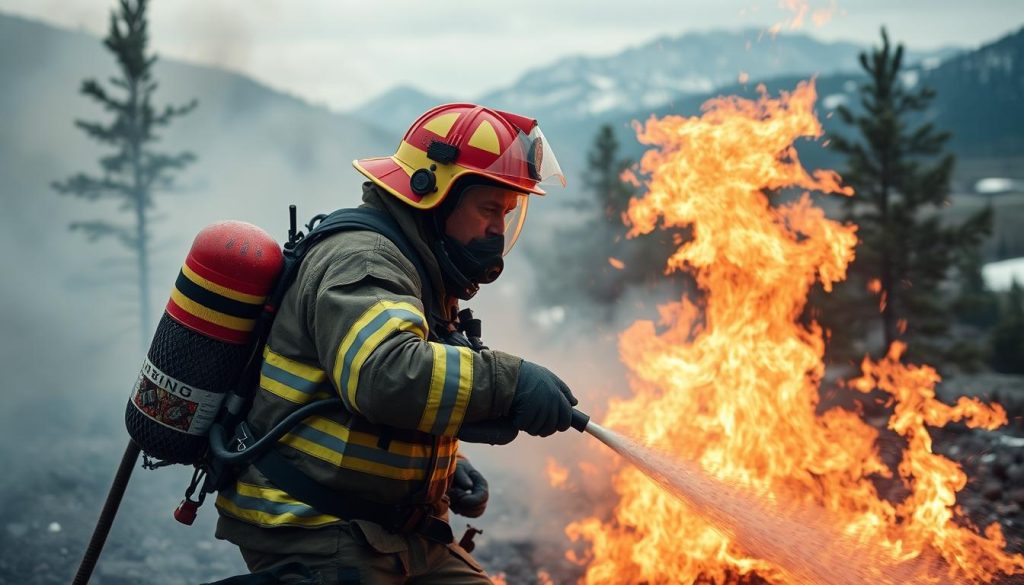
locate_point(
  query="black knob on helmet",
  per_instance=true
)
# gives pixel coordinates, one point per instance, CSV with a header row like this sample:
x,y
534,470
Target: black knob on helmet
x,y
423,181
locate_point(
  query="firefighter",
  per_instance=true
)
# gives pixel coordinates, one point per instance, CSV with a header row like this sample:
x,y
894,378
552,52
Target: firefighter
x,y
358,323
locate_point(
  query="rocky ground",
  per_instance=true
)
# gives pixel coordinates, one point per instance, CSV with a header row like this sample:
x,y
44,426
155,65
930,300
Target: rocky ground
x,y
992,460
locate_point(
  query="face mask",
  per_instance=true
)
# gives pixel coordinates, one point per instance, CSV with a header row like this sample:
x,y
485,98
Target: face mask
x,y
467,266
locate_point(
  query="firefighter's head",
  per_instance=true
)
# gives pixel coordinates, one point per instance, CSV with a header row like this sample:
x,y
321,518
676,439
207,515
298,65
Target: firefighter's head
x,y
472,169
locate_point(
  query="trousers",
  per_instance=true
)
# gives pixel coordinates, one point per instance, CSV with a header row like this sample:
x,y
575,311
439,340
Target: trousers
x,y
364,553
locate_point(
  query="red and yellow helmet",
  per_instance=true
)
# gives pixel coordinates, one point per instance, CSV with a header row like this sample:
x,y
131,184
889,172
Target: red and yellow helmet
x,y
454,140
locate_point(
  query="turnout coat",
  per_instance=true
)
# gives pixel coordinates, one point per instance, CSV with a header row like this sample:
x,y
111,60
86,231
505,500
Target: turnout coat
x,y
354,325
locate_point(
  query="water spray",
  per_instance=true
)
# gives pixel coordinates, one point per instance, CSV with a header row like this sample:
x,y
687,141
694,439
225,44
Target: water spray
x,y
797,538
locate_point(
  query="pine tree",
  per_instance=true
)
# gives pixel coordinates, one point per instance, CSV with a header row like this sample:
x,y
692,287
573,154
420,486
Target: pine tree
x,y
1008,335
901,175
134,171
582,258
603,178
975,305
594,258
607,261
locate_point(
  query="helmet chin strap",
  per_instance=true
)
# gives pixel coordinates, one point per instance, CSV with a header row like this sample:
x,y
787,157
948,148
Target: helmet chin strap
x,y
457,283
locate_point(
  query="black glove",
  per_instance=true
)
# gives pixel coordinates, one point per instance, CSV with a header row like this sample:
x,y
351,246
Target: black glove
x,y
542,403
468,491
498,431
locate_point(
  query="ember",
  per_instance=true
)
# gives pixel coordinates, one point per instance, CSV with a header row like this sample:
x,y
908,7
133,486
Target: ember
x,y
727,388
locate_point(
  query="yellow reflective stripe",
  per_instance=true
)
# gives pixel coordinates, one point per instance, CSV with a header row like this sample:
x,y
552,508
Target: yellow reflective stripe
x,y
290,394
269,506
208,314
348,462
311,373
366,439
348,365
448,448
289,379
343,440
352,384
284,391
266,493
465,389
379,470
436,390
221,290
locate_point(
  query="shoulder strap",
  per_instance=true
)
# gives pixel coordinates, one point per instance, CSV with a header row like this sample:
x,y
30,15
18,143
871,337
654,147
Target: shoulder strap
x,y
362,218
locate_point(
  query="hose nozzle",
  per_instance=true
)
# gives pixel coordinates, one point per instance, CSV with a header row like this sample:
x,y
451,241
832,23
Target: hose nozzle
x,y
580,420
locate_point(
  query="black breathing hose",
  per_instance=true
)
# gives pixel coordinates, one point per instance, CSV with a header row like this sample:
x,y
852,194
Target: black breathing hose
x,y
243,457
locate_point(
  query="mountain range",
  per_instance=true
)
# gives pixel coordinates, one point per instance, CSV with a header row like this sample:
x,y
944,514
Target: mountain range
x,y
647,76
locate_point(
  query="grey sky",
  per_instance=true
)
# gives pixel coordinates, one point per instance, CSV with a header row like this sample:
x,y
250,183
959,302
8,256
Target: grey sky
x,y
340,52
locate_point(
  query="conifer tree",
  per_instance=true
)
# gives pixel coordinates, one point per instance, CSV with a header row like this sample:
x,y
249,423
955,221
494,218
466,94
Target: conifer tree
x,y
901,174
1008,335
582,258
134,171
594,259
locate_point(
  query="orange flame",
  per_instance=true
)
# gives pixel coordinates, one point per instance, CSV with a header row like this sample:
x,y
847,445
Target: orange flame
x,y
800,10
730,382
557,475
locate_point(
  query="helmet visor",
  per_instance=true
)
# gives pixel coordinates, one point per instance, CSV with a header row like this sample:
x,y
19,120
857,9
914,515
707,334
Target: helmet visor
x,y
514,221
529,161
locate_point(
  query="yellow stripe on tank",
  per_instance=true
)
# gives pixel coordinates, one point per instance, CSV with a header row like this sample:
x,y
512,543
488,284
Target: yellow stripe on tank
x,y
209,315
221,290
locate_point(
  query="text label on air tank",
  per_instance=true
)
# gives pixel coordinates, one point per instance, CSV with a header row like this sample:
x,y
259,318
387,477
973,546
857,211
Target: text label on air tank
x,y
164,381
173,403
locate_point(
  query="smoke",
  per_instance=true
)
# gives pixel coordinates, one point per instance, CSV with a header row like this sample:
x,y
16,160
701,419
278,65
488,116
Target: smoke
x,y
71,347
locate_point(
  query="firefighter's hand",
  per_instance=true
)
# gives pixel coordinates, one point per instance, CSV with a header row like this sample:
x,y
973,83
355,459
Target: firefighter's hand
x,y
492,432
542,403
468,492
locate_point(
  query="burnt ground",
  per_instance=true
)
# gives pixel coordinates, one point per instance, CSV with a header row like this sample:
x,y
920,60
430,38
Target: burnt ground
x,y
54,483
